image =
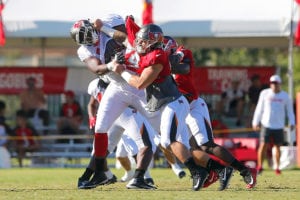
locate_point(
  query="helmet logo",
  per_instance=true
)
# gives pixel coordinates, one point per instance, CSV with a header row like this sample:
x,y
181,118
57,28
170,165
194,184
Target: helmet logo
x,y
77,24
155,36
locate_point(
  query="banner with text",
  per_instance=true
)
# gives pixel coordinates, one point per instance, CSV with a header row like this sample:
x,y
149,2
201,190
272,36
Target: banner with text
x,y
215,80
50,79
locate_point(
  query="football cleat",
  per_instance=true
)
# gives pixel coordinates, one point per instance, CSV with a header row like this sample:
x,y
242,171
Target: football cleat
x,y
112,180
81,183
199,177
181,174
149,181
249,176
212,178
139,183
224,177
98,179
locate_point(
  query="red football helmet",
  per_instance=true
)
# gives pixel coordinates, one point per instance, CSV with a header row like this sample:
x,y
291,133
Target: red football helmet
x,y
170,44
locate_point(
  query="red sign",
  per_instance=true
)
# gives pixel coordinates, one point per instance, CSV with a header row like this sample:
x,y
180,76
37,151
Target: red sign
x,y
215,80
51,79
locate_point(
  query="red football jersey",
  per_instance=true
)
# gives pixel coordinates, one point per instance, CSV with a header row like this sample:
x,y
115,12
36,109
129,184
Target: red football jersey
x,y
185,82
157,56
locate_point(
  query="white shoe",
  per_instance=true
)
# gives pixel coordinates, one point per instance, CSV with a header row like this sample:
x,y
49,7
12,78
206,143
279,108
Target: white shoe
x,y
127,176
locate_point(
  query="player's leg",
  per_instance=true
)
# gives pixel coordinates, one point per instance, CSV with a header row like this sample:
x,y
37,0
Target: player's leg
x,y
109,110
278,139
174,135
140,133
263,143
200,127
173,162
122,155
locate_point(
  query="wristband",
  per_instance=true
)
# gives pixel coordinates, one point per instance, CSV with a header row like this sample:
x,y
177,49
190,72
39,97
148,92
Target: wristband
x,y
109,66
126,76
108,31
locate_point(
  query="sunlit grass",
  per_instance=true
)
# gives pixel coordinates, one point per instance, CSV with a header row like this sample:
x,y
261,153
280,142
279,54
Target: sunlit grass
x,y
59,183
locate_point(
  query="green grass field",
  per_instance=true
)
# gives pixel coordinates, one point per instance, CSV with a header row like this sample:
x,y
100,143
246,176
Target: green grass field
x,y
59,183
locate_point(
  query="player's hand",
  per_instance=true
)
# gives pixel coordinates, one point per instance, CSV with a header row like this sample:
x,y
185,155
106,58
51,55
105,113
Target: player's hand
x,y
120,57
292,127
98,24
129,17
92,122
119,68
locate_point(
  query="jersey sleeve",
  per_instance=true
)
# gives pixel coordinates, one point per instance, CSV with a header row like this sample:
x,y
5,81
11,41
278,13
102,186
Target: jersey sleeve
x,y
85,52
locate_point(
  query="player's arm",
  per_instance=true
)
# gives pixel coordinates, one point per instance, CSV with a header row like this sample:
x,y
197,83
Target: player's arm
x,y
179,64
92,110
118,35
147,77
95,65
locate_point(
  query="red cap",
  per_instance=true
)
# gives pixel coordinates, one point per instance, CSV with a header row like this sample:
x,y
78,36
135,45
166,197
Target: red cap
x,y
69,93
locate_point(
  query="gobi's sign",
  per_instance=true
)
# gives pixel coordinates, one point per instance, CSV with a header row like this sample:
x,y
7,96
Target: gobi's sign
x,y
51,79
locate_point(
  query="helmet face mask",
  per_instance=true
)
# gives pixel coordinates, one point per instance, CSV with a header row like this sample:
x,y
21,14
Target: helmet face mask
x,y
148,38
83,32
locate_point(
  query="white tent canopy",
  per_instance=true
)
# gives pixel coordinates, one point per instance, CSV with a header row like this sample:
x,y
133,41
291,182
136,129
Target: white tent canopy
x,y
266,21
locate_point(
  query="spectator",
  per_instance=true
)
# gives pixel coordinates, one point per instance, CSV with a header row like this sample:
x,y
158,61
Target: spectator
x,y
269,116
25,132
253,93
4,131
232,102
33,103
71,116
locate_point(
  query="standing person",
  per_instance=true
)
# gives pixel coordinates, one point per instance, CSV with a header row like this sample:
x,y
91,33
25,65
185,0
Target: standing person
x,y
154,76
33,102
272,108
98,52
198,119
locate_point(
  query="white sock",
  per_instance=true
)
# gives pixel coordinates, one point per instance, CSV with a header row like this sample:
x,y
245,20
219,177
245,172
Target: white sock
x,y
147,174
176,168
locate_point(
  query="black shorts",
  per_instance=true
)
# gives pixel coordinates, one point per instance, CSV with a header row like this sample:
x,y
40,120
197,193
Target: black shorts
x,y
274,136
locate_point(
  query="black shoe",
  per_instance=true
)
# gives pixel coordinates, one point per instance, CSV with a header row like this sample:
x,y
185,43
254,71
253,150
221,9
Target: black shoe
x,y
98,179
181,174
112,180
149,181
139,183
199,177
81,183
249,176
224,177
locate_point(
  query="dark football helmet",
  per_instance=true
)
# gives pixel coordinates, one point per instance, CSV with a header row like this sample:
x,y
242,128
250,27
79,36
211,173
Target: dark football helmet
x,y
148,38
82,32
170,44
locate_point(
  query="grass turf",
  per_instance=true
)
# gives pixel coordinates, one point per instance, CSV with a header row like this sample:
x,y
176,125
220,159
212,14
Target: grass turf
x,y
60,183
